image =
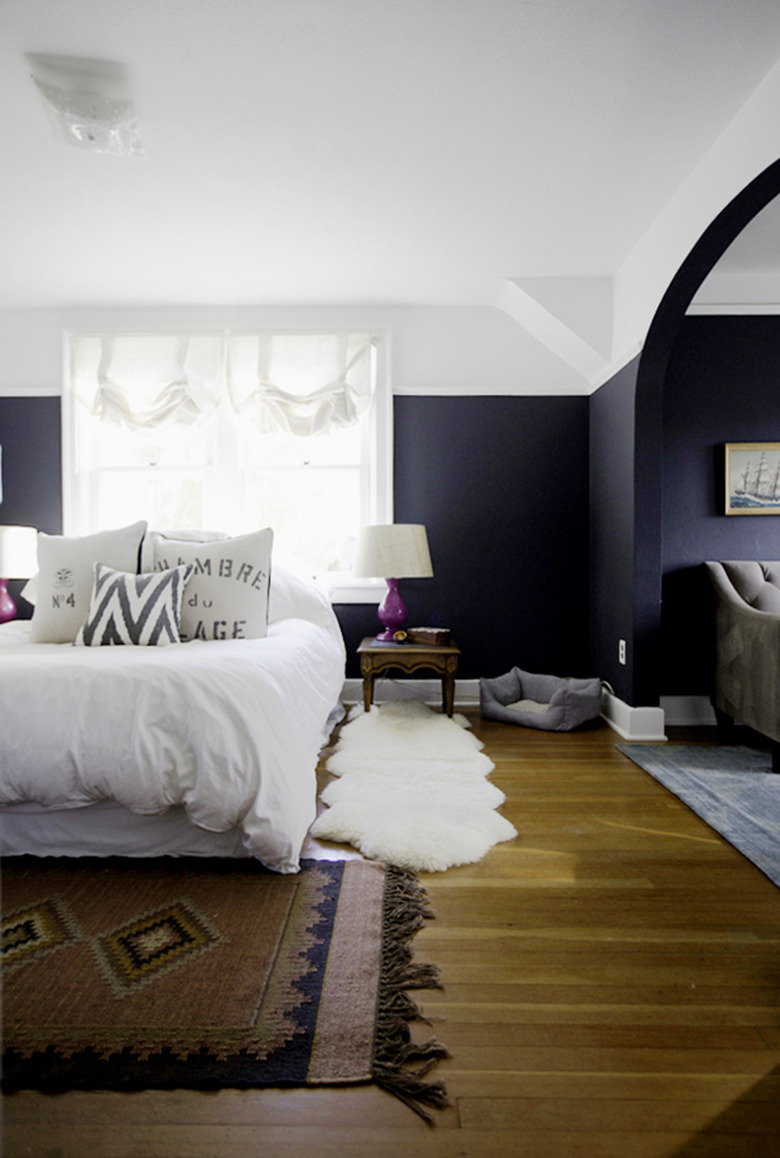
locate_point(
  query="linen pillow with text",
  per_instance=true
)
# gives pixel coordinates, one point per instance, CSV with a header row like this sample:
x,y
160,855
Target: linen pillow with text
x,y
65,573
227,592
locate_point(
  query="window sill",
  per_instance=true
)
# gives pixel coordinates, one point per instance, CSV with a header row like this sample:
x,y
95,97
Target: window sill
x,y
348,590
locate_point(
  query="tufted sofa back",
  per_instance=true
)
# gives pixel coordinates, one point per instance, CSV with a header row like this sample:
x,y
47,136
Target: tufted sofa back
x,y
756,584
746,683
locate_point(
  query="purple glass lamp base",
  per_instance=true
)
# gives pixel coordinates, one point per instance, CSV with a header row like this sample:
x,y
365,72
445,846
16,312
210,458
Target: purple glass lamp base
x,y
7,605
391,612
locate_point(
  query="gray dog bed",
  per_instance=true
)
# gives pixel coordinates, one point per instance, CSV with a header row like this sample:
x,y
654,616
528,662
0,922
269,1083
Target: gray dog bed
x,y
548,702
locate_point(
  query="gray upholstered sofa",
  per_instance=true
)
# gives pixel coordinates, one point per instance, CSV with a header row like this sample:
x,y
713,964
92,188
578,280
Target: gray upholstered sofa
x,y
747,645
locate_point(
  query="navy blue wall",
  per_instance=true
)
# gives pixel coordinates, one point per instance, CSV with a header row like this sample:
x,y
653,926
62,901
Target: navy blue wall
x,y
723,385
612,529
32,469
32,465
501,483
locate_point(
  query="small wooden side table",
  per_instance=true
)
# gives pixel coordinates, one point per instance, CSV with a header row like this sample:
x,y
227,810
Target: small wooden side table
x,y
376,657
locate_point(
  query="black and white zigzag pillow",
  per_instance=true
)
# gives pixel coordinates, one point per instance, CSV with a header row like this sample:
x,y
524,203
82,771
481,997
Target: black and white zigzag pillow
x,y
135,609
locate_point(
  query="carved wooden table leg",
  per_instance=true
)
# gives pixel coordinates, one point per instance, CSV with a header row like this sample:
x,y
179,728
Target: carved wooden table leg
x,y
448,685
367,672
378,658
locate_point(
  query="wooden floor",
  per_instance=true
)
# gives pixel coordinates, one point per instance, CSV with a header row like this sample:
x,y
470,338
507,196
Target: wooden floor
x,y
611,990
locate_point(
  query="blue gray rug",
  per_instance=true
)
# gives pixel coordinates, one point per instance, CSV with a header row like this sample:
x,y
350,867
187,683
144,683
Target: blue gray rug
x,y
733,789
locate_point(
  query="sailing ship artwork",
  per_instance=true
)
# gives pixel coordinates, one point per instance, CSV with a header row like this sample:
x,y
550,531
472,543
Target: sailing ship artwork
x,y
753,478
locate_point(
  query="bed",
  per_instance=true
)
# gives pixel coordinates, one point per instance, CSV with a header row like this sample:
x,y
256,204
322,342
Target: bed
x,y
205,747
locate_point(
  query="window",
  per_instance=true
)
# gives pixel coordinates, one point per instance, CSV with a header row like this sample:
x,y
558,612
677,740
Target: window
x,y
232,432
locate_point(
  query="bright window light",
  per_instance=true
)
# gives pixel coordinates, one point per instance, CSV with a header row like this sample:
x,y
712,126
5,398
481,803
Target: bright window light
x,y
223,474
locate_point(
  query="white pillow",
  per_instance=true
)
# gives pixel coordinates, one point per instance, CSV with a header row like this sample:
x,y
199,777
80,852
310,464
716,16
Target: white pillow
x,y
227,593
186,536
294,598
144,610
65,571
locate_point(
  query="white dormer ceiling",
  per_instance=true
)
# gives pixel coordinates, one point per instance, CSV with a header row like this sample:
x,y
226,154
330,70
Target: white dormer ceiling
x,y
367,151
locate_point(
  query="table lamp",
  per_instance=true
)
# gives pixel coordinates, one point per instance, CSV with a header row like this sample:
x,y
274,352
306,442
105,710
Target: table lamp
x,y
18,560
391,552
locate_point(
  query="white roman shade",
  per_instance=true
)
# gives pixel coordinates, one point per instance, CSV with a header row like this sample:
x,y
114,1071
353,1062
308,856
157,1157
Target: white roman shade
x,y
300,383
147,380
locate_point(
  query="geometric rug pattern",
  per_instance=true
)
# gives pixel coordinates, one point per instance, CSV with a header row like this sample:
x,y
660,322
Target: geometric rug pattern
x,y
31,933
175,972
137,953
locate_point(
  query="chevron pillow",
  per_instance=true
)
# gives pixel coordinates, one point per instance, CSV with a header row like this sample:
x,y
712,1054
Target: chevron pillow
x,y
134,609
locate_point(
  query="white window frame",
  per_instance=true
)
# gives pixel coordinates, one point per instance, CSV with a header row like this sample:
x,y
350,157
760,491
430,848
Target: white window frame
x,y
379,442
376,482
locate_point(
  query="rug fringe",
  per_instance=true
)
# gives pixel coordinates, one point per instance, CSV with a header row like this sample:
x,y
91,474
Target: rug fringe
x,y
405,912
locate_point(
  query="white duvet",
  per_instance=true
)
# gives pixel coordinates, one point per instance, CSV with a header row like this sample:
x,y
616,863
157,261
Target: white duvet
x,y
228,729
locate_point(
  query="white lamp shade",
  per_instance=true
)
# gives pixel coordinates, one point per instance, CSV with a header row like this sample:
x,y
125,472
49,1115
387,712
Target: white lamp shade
x,y
18,552
394,550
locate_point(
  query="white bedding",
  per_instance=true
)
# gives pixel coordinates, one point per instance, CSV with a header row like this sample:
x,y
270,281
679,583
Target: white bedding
x,y
228,730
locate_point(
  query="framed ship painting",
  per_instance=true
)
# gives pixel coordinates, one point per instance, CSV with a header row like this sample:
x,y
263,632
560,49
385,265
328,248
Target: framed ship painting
x,y
753,478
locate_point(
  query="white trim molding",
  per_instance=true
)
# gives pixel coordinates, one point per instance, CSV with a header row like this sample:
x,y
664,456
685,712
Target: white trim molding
x,y
632,723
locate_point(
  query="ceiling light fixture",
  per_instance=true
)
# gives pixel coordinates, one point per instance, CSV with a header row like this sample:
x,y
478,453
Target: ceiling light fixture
x,y
88,103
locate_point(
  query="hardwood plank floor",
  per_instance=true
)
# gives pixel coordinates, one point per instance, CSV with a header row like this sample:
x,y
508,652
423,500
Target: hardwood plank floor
x,y
611,990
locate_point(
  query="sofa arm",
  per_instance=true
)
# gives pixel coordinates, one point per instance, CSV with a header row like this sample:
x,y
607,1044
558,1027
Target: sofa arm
x,y
747,659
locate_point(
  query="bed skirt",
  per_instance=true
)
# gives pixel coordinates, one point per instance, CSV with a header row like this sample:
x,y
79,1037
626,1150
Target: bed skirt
x,y
109,829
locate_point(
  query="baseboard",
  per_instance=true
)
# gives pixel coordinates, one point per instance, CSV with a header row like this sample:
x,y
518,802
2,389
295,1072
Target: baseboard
x,y
688,711
429,691
632,723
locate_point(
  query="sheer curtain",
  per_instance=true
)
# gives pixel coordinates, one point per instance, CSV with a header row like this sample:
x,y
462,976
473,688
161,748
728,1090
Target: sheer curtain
x,y
300,384
144,381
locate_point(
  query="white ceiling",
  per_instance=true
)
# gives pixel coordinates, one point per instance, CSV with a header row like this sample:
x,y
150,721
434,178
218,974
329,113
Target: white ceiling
x,y
365,151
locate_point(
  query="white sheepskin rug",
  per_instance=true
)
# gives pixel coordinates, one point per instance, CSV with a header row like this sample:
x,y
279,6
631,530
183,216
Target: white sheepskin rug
x,y
412,790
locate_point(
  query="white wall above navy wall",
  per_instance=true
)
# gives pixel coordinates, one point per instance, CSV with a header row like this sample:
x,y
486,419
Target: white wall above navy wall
x,y
436,349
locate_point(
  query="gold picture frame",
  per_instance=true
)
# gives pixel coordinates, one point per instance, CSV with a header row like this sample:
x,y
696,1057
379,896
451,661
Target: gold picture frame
x,y
752,471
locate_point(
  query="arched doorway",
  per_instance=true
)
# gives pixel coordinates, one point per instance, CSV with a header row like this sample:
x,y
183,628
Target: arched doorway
x,y
648,414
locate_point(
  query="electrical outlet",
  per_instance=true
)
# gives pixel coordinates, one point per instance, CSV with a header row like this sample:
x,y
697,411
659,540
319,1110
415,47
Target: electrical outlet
x,y
621,651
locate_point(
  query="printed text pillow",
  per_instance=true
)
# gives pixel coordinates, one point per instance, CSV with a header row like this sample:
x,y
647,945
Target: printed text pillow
x,y
227,593
65,573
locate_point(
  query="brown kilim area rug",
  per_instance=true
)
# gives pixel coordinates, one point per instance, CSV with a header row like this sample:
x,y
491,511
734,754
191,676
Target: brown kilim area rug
x,y
183,973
